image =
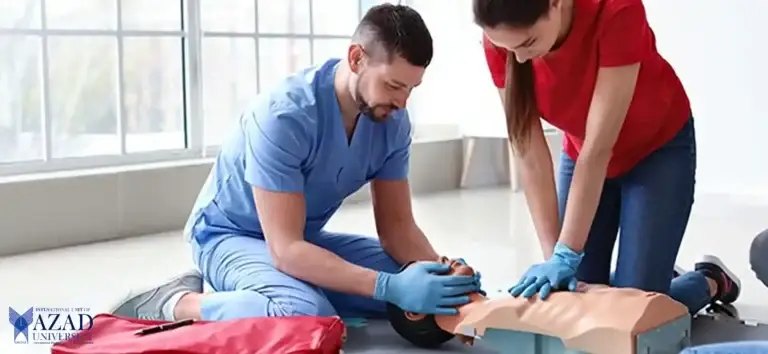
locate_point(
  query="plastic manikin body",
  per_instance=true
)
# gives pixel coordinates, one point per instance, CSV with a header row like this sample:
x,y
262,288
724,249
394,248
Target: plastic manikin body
x,y
595,319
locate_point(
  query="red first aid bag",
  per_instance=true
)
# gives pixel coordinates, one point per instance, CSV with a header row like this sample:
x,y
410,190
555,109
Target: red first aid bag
x,y
268,335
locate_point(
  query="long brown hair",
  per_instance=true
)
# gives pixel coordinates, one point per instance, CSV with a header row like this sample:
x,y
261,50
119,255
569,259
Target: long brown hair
x,y
519,102
519,94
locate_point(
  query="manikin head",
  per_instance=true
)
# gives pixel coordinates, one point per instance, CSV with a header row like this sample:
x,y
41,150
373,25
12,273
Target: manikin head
x,y
390,51
528,28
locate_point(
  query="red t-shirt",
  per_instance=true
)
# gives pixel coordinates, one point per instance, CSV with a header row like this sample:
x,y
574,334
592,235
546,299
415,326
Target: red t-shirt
x,y
606,33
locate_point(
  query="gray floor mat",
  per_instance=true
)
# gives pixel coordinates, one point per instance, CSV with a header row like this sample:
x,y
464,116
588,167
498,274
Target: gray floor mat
x,y
377,337
709,330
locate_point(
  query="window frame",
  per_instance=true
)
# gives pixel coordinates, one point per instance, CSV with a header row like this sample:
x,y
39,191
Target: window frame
x,y
192,35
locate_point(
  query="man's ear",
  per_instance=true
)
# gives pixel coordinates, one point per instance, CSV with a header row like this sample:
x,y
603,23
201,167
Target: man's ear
x,y
355,57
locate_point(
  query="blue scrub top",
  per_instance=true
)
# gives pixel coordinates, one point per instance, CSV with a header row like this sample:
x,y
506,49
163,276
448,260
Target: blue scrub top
x,y
292,139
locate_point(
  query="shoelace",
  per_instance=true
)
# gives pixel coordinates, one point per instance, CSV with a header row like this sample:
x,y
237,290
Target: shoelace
x,y
148,317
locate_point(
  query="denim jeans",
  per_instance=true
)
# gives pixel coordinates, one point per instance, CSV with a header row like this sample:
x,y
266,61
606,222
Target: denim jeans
x,y
651,205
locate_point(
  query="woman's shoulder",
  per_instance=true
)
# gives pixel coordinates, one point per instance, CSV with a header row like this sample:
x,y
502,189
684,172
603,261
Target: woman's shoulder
x,y
610,8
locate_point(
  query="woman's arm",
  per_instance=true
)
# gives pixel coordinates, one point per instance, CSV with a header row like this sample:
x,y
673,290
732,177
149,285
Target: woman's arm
x,y
613,93
625,40
515,83
538,176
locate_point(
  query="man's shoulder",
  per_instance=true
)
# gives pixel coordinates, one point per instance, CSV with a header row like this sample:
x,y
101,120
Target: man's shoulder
x,y
296,96
399,126
400,117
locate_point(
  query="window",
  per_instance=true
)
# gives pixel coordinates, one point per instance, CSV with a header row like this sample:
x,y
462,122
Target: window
x,y
249,45
96,83
90,80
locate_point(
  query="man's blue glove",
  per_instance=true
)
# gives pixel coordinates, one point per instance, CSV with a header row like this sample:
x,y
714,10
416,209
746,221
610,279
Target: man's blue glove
x,y
422,288
558,273
477,277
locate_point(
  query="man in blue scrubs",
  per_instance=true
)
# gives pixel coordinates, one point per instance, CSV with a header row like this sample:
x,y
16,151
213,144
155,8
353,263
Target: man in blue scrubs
x,y
257,228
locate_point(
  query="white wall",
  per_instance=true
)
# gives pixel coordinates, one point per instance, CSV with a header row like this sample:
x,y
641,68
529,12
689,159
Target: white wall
x,y
99,205
714,46
717,48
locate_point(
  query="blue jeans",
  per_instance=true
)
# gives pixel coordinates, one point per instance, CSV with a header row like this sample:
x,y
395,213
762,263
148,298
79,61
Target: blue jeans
x,y
747,347
246,283
651,205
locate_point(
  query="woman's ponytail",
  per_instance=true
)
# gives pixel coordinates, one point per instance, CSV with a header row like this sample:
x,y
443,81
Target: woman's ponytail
x,y
519,102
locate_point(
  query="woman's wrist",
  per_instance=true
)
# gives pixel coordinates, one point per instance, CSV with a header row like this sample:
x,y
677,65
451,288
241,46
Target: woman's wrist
x,y
566,254
547,249
547,244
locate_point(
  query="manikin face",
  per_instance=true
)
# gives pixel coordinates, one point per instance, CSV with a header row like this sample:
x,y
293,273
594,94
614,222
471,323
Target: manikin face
x,y
381,87
532,42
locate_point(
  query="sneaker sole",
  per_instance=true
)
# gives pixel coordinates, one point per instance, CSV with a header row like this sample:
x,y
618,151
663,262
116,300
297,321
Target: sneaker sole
x,y
718,262
136,293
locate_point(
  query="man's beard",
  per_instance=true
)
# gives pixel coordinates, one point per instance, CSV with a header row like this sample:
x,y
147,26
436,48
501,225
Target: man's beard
x,y
369,110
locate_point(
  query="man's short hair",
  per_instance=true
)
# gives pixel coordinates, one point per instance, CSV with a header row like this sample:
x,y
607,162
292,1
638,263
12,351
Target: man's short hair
x,y
388,30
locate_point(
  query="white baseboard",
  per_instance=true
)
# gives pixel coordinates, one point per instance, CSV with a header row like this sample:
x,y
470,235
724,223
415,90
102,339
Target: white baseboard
x,y
79,208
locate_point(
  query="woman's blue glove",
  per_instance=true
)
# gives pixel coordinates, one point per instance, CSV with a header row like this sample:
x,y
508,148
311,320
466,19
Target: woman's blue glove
x,y
558,273
422,288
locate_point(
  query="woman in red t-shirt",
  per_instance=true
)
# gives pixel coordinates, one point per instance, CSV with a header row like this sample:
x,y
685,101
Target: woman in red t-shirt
x,y
591,69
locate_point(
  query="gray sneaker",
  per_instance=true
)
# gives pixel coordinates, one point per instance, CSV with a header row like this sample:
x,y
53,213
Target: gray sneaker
x,y
148,304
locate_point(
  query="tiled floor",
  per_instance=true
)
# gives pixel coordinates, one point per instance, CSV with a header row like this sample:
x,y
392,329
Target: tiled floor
x,y
491,229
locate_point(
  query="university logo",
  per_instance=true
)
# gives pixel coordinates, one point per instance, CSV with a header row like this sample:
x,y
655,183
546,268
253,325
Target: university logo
x,y
42,325
20,324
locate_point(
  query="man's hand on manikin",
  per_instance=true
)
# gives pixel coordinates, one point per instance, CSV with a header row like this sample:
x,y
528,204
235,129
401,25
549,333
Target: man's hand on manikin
x,y
477,277
426,288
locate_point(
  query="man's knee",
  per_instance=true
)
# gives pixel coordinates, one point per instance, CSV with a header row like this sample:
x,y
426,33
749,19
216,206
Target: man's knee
x,y
757,258
250,303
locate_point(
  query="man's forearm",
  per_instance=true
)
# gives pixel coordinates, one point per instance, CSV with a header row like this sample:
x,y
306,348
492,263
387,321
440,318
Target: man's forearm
x,y
583,199
409,245
320,267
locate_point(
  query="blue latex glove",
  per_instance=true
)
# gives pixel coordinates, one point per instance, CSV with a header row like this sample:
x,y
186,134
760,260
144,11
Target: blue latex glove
x,y
477,277
421,288
558,273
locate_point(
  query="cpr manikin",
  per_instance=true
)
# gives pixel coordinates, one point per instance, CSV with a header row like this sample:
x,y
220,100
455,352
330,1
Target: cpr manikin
x,y
596,319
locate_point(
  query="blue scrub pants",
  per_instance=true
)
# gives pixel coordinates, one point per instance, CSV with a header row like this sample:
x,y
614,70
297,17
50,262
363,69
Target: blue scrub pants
x,y
651,205
246,284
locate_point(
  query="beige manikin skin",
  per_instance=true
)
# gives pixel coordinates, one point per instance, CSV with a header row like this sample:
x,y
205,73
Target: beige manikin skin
x,y
597,319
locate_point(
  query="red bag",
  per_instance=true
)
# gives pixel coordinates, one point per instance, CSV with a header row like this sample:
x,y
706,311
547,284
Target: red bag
x,y
269,335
